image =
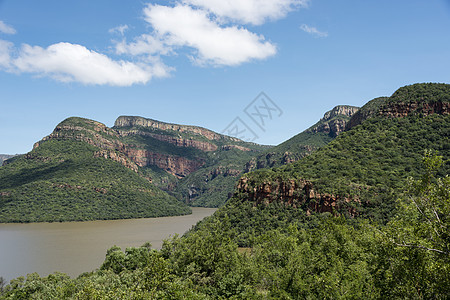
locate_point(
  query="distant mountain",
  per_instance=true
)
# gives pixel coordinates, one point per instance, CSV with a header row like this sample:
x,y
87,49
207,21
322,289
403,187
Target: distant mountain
x,y
198,166
324,131
4,157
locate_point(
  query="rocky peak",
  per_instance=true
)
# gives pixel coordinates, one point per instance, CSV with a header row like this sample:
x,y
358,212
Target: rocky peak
x,y
340,110
334,121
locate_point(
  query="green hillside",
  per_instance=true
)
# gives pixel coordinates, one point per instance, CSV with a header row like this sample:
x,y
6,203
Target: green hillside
x,y
361,173
84,171
64,180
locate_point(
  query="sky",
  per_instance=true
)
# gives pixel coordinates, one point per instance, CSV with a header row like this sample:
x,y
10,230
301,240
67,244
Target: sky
x,y
263,70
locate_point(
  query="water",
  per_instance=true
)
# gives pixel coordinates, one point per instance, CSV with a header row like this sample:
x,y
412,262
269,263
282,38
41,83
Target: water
x,y
77,247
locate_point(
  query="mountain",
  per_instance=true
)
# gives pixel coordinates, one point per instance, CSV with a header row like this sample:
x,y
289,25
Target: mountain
x,y
4,157
324,131
137,163
361,173
76,174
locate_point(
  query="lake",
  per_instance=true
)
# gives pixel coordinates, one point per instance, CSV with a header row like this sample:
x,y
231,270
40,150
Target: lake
x,y
77,247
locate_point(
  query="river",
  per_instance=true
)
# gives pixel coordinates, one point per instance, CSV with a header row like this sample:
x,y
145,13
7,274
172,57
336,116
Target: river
x,y
77,247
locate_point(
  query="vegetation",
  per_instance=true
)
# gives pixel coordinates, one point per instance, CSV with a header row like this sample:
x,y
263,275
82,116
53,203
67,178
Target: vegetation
x,y
63,181
370,162
332,259
214,183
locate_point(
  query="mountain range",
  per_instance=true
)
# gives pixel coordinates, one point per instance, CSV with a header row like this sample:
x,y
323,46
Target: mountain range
x,y
142,167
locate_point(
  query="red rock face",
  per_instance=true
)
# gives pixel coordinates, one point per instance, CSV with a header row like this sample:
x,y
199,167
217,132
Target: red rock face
x,y
175,165
293,193
399,110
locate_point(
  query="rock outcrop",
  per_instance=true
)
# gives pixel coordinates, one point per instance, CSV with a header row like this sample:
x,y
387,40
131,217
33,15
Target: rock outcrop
x,y
334,121
174,140
295,193
130,121
400,110
175,165
4,158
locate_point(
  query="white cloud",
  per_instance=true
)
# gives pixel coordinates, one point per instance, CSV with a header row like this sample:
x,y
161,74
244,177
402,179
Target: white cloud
x,y
5,56
119,29
67,62
314,31
184,26
254,12
4,28
145,44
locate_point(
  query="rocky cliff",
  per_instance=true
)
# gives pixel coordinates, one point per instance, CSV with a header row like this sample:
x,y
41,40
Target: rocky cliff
x,y
297,193
163,153
131,121
424,99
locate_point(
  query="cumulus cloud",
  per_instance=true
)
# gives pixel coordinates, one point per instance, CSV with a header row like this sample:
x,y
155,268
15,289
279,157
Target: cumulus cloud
x,y
184,26
75,63
254,12
4,28
313,31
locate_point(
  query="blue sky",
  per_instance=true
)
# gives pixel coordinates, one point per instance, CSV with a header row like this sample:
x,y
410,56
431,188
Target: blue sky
x,y
202,62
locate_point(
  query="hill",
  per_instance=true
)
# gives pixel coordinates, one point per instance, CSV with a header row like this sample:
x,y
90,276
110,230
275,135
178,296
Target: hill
x,y
75,174
361,173
213,185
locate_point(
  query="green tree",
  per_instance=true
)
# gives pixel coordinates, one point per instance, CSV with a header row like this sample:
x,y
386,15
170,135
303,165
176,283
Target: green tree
x,y
423,219
414,258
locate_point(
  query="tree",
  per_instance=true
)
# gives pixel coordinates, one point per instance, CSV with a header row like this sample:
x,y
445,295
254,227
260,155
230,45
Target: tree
x,y
423,220
414,259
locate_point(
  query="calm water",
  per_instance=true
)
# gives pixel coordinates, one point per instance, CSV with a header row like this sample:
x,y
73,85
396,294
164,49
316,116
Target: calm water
x,y
77,247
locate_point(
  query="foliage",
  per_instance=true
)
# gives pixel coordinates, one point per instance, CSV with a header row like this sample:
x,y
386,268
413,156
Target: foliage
x,y
421,93
332,258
